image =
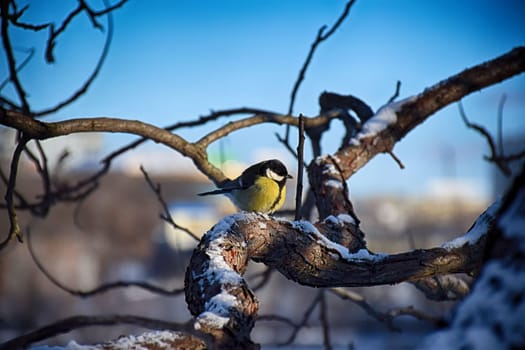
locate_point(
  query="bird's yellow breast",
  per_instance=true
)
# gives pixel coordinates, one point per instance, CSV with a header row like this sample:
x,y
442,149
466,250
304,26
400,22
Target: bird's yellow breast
x,y
265,196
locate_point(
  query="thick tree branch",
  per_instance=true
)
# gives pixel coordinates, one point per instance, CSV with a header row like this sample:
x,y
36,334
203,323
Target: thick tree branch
x,y
395,120
75,322
217,293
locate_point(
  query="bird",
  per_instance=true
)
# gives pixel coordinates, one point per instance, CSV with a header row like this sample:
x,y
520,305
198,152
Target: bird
x,y
260,188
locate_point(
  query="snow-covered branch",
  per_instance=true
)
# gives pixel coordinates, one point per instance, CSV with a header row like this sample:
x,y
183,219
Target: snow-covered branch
x,y
220,299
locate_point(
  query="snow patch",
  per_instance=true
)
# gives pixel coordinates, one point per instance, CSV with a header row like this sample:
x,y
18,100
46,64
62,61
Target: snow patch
x,y
342,251
346,218
218,309
329,168
340,220
478,229
144,341
385,116
334,183
211,320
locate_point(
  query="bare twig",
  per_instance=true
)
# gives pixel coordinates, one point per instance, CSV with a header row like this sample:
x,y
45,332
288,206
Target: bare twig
x,y
109,35
388,317
500,123
41,164
11,62
318,40
30,52
420,315
306,316
277,318
14,229
100,289
321,36
166,216
286,144
323,317
396,159
396,93
300,168
266,274
360,301
497,157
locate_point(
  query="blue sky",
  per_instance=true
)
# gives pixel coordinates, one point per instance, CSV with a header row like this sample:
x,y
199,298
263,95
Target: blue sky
x,y
177,60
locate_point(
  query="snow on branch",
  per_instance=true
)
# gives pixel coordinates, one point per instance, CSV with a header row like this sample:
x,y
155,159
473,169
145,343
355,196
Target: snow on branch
x,y
394,121
385,116
478,229
220,299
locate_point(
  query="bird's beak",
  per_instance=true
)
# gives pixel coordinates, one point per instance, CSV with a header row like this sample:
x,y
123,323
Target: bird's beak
x,y
289,176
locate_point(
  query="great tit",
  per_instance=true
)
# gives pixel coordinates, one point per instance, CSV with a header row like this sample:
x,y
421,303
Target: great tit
x,y
260,188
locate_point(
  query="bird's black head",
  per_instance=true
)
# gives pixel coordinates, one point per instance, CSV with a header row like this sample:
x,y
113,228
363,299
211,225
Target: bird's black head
x,y
274,169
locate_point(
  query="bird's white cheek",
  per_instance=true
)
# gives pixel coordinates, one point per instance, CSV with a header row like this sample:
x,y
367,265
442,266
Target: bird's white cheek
x,y
273,175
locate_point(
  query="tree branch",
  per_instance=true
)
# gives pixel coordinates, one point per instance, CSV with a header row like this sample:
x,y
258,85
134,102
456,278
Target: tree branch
x,y
217,293
395,120
68,324
14,229
100,289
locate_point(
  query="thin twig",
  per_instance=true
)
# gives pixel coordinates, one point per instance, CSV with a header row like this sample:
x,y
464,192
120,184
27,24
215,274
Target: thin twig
x,y
323,316
83,89
11,61
166,216
14,229
266,274
100,289
397,160
500,123
41,164
396,93
277,318
318,40
286,144
388,317
304,320
30,53
300,169
494,157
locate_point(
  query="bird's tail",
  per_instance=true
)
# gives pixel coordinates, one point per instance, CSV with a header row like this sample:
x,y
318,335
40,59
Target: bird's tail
x,y
219,191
